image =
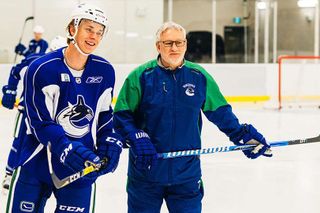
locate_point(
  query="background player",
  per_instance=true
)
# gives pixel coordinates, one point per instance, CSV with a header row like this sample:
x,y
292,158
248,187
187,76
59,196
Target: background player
x,y
36,45
8,101
68,96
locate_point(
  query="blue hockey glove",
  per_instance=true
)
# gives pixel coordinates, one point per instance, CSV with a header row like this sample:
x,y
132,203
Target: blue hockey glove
x,y
9,96
19,49
109,147
249,135
143,150
75,155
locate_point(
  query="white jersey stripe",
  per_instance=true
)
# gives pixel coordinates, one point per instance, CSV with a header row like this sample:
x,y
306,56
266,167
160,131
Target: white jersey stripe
x,y
33,96
103,104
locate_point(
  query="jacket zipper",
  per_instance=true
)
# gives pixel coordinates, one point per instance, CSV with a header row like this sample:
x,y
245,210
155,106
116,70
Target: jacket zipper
x,y
174,92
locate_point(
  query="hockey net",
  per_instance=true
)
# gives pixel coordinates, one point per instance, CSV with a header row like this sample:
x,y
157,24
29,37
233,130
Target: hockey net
x,y
298,82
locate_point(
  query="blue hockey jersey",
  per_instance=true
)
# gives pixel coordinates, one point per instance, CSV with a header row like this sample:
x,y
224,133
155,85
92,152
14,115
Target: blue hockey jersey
x,y
62,107
36,47
16,75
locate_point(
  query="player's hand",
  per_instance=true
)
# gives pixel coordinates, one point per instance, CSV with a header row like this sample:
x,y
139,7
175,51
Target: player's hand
x,y
19,49
109,147
9,96
250,135
74,155
143,150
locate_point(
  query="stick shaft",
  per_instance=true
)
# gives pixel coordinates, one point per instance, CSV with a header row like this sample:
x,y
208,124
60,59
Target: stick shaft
x,y
212,150
67,180
22,32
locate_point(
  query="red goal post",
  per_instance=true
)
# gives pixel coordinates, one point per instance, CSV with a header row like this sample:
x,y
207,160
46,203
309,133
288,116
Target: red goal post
x,y
298,81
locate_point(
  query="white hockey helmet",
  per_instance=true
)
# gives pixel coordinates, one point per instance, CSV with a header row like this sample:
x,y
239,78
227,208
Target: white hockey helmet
x,y
38,29
58,42
90,12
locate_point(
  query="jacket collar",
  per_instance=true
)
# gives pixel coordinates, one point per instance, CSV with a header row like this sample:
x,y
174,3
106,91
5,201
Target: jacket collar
x,y
167,68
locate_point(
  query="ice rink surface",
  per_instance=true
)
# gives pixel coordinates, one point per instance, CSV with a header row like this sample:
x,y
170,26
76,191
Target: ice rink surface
x,y
287,182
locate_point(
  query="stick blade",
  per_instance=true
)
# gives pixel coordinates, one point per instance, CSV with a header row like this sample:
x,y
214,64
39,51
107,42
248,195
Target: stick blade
x,y
29,18
57,182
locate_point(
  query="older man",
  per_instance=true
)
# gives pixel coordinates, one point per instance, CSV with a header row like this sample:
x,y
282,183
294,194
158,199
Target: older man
x,y
159,110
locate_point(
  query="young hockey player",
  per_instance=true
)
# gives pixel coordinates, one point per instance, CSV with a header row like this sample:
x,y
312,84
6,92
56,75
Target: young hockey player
x,y
159,110
68,96
8,101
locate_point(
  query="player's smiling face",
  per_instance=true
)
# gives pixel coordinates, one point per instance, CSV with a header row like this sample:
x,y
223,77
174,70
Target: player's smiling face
x,y
89,35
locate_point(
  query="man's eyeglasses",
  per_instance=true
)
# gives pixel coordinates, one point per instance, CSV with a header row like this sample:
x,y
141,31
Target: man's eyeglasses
x,y
169,43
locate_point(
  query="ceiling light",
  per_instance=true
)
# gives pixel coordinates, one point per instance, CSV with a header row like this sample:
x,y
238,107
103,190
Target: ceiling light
x,y
307,3
261,5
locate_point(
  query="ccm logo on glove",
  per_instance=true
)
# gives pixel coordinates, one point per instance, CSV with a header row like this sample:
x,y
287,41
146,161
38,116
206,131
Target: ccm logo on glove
x,y
114,140
65,153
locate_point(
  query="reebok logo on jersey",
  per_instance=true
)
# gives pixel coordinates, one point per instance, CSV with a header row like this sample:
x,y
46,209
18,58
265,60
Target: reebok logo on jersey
x,y
65,77
26,206
189,89
94,80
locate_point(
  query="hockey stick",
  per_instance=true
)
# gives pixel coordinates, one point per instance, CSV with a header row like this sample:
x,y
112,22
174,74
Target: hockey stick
x,y
20,39
59,183
233,148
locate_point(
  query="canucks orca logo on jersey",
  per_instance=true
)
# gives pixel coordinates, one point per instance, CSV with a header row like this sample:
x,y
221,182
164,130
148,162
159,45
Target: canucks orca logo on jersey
x,y
75,119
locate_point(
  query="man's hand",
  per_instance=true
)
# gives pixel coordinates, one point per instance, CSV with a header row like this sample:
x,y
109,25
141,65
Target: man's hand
x,y
144,151
250,135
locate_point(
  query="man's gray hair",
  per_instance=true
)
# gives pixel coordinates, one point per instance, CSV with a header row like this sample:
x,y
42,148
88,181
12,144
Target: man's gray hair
x,y
169,25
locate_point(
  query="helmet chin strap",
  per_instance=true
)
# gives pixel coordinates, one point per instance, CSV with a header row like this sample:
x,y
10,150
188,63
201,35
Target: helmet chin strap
x,y
73,40
78,48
